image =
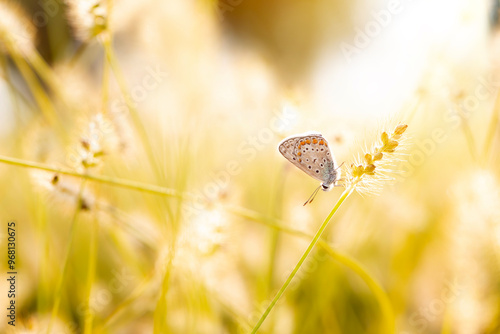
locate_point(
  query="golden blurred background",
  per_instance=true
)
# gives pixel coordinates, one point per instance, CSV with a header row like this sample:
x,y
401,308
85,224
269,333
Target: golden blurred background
x,y
139,162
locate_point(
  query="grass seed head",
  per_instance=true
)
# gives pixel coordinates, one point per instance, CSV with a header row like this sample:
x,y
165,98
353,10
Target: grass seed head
x,y
366,174
88,18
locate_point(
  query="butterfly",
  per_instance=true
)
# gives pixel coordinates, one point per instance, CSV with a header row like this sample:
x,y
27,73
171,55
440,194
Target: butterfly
x,y
310,153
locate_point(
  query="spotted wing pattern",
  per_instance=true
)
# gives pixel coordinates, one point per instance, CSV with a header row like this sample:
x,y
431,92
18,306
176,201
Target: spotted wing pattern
x,y
310,153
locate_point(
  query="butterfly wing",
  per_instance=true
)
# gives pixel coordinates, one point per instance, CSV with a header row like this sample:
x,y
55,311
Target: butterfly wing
x,y
310,153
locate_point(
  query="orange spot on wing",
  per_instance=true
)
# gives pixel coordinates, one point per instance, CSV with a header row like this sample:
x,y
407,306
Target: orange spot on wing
x,y
299,154
321,142
308,141
302,143
300,160
315,141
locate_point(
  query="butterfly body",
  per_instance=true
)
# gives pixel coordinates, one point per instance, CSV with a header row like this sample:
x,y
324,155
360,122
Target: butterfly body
x,y
310,153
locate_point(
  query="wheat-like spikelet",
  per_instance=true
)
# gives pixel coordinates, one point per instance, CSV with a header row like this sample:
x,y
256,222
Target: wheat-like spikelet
x,y
63,191
88,18
375,166
95,141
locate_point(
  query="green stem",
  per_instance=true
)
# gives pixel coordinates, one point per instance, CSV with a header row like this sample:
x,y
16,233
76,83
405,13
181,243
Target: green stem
x,y
13,91
78,53
380,295
45,72
318,234
35,87
44,237
143,187
105,87
134,295
469,138
67,253
136,119
160,321
88,315
354,265
495,119
141,130
414,107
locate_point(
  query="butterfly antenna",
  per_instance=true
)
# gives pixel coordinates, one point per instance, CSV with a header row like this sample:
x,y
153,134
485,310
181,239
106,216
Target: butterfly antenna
x,y
313,195
340,165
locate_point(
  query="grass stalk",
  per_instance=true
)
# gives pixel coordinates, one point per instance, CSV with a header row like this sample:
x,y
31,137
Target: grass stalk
x,y
67,253
469,138
136,293
120,78
378,292
89,315
492,129
313,242
34,85
355,266
146,143
44,236
160,319
139,186
45,72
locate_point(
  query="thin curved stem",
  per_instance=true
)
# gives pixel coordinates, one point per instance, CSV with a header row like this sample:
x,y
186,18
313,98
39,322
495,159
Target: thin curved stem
x,y
380,295
34,85
143,187
67,253
313,242
355,266
492,130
